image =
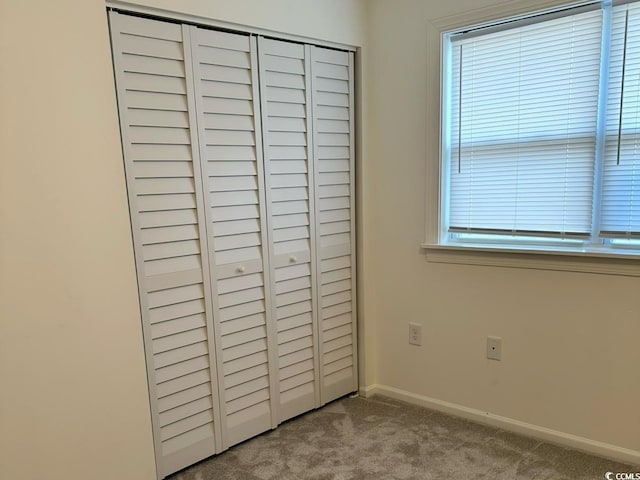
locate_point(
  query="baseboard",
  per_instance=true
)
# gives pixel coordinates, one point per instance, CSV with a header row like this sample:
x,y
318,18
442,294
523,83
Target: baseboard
x,y
552,436
367,391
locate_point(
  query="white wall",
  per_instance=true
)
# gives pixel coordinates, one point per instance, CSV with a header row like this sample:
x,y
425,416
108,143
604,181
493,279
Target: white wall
x,y
570,340
73,398
332,20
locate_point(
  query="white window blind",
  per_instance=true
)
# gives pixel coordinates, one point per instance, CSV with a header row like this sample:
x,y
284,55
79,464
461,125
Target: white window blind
x,y
621,180
522,131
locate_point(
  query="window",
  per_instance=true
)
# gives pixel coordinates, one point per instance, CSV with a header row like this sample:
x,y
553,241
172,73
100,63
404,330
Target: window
x,y
540,132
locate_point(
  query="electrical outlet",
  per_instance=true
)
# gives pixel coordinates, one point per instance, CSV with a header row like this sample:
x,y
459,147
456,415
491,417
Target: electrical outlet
x,y
415,334
494,348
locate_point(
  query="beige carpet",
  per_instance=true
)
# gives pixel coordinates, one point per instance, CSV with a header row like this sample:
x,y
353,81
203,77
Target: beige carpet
x,y
380,438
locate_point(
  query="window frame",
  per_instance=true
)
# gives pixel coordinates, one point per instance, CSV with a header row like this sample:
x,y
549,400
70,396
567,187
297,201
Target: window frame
x,y
580,256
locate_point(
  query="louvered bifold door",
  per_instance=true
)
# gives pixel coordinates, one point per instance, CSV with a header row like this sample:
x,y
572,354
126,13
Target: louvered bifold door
x,y
225,70
286,120
155,99
333,139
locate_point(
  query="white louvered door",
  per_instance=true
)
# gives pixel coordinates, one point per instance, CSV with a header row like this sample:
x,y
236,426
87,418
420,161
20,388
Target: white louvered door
x,y
152,66
333,142
286,119
239,159
226,74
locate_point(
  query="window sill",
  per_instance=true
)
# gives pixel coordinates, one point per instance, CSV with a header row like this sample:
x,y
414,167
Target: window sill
x,y
623,263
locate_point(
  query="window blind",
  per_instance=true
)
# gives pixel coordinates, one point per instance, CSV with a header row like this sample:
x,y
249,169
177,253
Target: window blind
x,y
620,211
523,112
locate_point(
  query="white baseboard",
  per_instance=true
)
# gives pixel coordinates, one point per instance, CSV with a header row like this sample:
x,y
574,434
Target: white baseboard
x,y
367,391
548,435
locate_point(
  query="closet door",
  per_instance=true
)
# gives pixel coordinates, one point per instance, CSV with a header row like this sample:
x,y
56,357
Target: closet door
x,y
225,70
332,91
286,112
151,61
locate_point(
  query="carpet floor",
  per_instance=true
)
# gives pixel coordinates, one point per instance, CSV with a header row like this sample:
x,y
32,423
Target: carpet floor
x,y
381,438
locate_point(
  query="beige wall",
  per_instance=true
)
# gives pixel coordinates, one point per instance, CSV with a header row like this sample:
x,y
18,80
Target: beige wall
x,y
570,340
73,398
73,401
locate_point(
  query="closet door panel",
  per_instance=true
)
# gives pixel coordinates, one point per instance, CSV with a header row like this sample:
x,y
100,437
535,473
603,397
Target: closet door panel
x,y
333,111
230,143
151,61
286,114
242,204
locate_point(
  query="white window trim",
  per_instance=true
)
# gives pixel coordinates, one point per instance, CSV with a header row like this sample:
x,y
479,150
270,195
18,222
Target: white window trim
x,y
614,262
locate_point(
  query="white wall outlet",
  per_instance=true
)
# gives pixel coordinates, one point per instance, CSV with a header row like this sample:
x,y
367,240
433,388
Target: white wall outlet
x,y
494,348
415,334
